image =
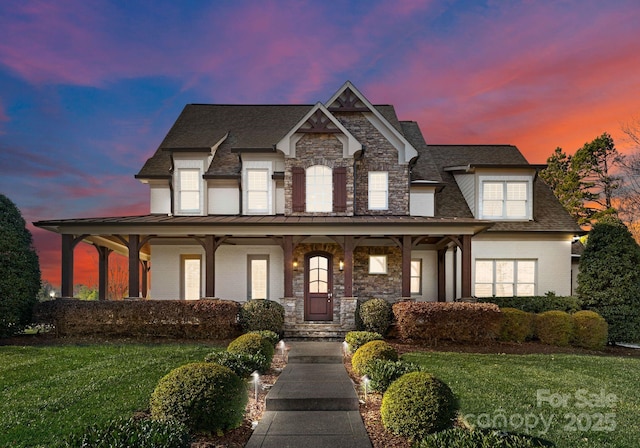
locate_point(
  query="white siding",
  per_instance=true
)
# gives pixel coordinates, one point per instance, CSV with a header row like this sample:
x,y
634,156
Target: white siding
x,y
422,201
429,274
165,269
279,198
553,255
467,185
224,197
160,198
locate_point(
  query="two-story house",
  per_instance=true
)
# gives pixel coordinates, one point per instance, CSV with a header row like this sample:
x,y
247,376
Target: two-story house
x,y
316,206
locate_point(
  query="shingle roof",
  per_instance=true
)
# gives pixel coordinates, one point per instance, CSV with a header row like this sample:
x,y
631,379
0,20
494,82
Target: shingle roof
x,y
425,168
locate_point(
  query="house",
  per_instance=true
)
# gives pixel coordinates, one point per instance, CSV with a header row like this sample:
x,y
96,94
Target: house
x,y
316,206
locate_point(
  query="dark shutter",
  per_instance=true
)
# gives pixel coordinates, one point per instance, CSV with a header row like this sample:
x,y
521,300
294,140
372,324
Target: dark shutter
x,y
297,189
340,189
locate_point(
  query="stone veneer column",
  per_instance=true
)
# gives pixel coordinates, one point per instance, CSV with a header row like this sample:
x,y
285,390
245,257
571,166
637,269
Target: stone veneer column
x,y
289,312
348,313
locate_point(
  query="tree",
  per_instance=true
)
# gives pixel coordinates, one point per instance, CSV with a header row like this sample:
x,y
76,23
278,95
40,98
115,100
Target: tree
x,y
609,278
629,194
19,270
584,183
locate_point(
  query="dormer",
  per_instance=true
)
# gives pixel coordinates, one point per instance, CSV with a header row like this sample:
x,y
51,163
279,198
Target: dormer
x,y
497,192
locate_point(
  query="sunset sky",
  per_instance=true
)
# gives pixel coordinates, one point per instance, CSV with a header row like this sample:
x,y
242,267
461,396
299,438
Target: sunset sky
x,y
88,89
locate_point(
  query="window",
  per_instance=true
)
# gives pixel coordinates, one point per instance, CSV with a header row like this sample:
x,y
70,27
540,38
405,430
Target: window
x,y
505,199
318,274
257,184
258,277
505,278
191,277
189,188
416,277
378,190
319,189
377,264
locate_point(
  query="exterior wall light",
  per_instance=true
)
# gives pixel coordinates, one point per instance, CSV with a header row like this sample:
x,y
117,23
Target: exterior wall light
x,y
341,265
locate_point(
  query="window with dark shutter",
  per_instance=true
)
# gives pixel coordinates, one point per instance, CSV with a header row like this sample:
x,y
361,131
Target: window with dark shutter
x,y
298,189
340,189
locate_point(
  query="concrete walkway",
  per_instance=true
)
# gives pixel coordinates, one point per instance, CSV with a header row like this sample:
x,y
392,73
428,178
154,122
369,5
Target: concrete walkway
x,y
313,403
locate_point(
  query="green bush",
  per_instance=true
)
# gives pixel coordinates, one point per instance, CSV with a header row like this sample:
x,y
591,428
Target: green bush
x,y
370,351
376,315
554,328
480,438
537,304
142,433
203,396
269,335
253,344
383,372
417,404
356,339
262,315
242,364
589,330
517,325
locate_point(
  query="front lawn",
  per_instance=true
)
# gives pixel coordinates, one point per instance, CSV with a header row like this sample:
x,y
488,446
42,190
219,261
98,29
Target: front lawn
x,y
46,393
570,400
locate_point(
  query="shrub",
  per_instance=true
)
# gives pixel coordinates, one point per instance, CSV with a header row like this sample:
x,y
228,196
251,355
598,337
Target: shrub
x,y
462,438
370,351
376,315
269,335
203,396
454,321
242,364
262,315
142,433
554,328
589,330
517,325
417,404
356,339
383,372
537,304
253,344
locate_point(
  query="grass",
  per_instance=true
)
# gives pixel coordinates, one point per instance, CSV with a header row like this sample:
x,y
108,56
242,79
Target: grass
x,y
556,397
47,393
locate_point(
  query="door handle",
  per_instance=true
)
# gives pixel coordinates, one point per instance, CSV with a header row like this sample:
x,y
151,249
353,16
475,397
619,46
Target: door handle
x,y
330,295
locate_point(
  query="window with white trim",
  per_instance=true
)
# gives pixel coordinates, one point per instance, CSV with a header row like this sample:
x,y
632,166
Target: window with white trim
x,y
257,185
189,190
506,199
378,190
319,188
258,277
505,278
191,280
377,264
416,276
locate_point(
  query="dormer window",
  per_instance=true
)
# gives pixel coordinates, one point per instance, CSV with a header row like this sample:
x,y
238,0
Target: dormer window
x,y
506,199
257,191
189,190
319,189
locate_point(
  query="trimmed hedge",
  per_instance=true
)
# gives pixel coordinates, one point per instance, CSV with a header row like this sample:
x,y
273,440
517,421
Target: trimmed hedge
x,y
370,351
376,315
537,304
242,364
203,396
383,372
418,404
188,319
356,339
554,328
517,325
589,330
454,321
262,315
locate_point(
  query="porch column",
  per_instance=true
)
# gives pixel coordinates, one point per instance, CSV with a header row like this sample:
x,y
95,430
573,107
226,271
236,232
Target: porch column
x,y
134,266
442,275
288,265
210,263
406,266
145,277
348,266
103,271
67,266
466,266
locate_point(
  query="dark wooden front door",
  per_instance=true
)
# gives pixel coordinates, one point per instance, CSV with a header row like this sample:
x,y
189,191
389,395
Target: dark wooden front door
x,y
318,296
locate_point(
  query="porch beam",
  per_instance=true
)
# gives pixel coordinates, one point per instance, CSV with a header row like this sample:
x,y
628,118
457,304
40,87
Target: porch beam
x,y
210,263
134,265
67,266
442,275
103,271
466,266
145,277
348,266
406,265
287,246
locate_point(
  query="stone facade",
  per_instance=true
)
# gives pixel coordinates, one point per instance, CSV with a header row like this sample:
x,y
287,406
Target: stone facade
x,y
384,286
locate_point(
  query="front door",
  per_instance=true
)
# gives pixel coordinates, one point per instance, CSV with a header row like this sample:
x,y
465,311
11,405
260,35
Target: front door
x,y
318,297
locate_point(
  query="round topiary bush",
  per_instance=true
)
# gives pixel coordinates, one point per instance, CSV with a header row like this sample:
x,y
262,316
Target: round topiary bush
x,y
262,315
269,335
383,372
242,364
203,396
517,325
417,404
370,351
590,330
376,315
554,328
253,344
356,339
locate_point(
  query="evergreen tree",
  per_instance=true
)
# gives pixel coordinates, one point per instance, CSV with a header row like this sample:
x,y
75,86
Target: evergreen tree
x,y
19,270
609,278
